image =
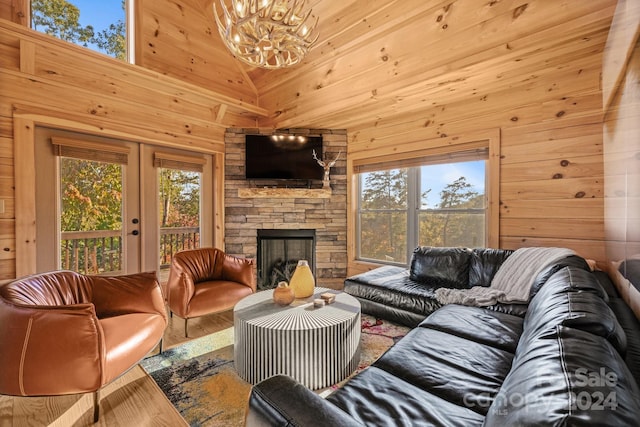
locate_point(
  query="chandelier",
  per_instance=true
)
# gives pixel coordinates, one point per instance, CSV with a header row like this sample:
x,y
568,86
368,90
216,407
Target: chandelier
x,y
266,33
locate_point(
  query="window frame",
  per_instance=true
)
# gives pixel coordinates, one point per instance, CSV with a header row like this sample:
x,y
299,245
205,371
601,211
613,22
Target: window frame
x,y
130,24
411,151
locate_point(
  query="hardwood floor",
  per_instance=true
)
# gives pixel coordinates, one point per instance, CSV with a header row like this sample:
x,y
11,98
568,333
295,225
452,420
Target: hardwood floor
x,y
132,400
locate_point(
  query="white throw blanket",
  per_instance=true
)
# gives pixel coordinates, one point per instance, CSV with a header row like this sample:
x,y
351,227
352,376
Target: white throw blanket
x,y
511,283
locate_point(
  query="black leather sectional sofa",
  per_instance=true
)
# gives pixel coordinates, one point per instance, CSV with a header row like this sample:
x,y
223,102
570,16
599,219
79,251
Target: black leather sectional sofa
x,y
571,357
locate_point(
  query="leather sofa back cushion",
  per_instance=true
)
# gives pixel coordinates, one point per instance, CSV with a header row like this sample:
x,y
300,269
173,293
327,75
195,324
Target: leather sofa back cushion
x,y
484,265
49,289
447,267
569,377
573,297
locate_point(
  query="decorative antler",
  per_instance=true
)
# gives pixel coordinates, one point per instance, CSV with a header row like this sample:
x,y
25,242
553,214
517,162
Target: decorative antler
x,y
327,167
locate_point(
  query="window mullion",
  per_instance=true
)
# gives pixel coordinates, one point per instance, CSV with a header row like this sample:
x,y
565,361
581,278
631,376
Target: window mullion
x,y
413,206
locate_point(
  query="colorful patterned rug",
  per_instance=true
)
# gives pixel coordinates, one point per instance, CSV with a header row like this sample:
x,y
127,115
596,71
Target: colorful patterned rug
x,y
199,378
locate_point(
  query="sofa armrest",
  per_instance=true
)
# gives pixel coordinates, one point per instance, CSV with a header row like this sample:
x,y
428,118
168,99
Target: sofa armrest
x,y
281,401
50,349
126,294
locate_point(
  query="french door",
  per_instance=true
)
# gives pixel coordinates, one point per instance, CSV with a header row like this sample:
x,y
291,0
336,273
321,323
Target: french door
x,y
100,206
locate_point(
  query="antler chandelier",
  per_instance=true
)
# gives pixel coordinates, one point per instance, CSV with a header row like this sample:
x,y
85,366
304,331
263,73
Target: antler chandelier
x,y
266,33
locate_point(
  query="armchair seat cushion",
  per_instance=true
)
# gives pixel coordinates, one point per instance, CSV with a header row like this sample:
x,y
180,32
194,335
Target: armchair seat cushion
x,y
129,337
215,296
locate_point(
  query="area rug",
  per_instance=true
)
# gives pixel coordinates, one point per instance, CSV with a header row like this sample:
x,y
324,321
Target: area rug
x,y
199,378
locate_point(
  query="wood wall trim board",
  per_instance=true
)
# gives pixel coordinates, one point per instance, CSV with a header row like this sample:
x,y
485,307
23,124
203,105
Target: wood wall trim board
x,y
25,196
107,127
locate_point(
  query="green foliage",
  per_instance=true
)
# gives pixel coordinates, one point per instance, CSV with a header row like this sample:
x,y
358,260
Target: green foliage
x,y
61,19
112,41
384,226
457,220
91,195
179,198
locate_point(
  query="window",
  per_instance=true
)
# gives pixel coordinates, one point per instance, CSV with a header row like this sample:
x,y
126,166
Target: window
x,y
441,201
98,25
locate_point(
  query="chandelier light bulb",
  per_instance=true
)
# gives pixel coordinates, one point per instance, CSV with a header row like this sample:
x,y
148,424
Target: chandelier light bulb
x,y
267,33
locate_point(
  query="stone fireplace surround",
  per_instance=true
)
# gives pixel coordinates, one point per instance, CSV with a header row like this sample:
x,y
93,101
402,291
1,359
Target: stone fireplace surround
x,y
257,205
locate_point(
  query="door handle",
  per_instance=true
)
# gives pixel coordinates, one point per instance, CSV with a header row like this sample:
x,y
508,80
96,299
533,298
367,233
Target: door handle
x,y
135,232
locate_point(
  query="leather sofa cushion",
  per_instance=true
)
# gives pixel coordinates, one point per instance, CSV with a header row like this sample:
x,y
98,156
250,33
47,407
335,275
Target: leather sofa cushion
x,y
572,297
567,377
392,286
441,267
631,326
570,261
376,397
484,264
487,327
455,369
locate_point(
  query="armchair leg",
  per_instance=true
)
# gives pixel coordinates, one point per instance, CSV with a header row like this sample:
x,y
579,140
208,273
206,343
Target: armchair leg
x,y
160,344
186,331
96,406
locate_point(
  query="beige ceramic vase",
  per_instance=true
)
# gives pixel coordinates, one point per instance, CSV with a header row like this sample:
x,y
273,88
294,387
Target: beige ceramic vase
x,y
283,294
302,281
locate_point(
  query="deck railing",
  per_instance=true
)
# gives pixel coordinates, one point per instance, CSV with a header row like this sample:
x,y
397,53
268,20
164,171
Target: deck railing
x,y
98,252
177,239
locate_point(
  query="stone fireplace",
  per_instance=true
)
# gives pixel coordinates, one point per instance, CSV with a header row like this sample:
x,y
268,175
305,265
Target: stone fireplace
x,y
252,207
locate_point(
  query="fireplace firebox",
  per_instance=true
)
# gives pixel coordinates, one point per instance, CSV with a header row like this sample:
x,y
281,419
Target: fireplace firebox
x,y
279,252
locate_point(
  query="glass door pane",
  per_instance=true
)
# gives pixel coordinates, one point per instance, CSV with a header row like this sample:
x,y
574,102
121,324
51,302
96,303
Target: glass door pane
x,y
179,213
91,201
87,204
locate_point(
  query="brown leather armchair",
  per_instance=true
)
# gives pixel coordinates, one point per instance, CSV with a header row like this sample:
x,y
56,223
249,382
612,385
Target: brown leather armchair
x,y
206,280
66,333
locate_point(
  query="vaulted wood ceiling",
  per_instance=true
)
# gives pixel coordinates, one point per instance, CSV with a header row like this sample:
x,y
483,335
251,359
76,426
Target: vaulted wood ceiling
x,y
379,58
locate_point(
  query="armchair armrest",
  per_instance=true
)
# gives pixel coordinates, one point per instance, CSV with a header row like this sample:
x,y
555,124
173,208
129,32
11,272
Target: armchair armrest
x,y
280,400
37,359
131,293
239,270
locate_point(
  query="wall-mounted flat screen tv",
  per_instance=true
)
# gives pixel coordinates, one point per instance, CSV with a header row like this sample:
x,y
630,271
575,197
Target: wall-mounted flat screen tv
x,y
281,157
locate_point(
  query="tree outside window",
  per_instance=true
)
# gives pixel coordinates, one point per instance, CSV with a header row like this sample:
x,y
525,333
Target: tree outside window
x,y
62,19
428,205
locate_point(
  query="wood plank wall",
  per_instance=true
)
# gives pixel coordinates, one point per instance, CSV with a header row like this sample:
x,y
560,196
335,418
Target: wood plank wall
x,y
45,79
394,73
180,38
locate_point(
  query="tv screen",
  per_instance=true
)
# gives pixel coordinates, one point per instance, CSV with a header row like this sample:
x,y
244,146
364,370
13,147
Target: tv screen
x,y
283,157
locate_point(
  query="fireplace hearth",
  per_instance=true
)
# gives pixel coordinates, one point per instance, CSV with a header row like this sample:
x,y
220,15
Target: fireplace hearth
x,y
279,252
